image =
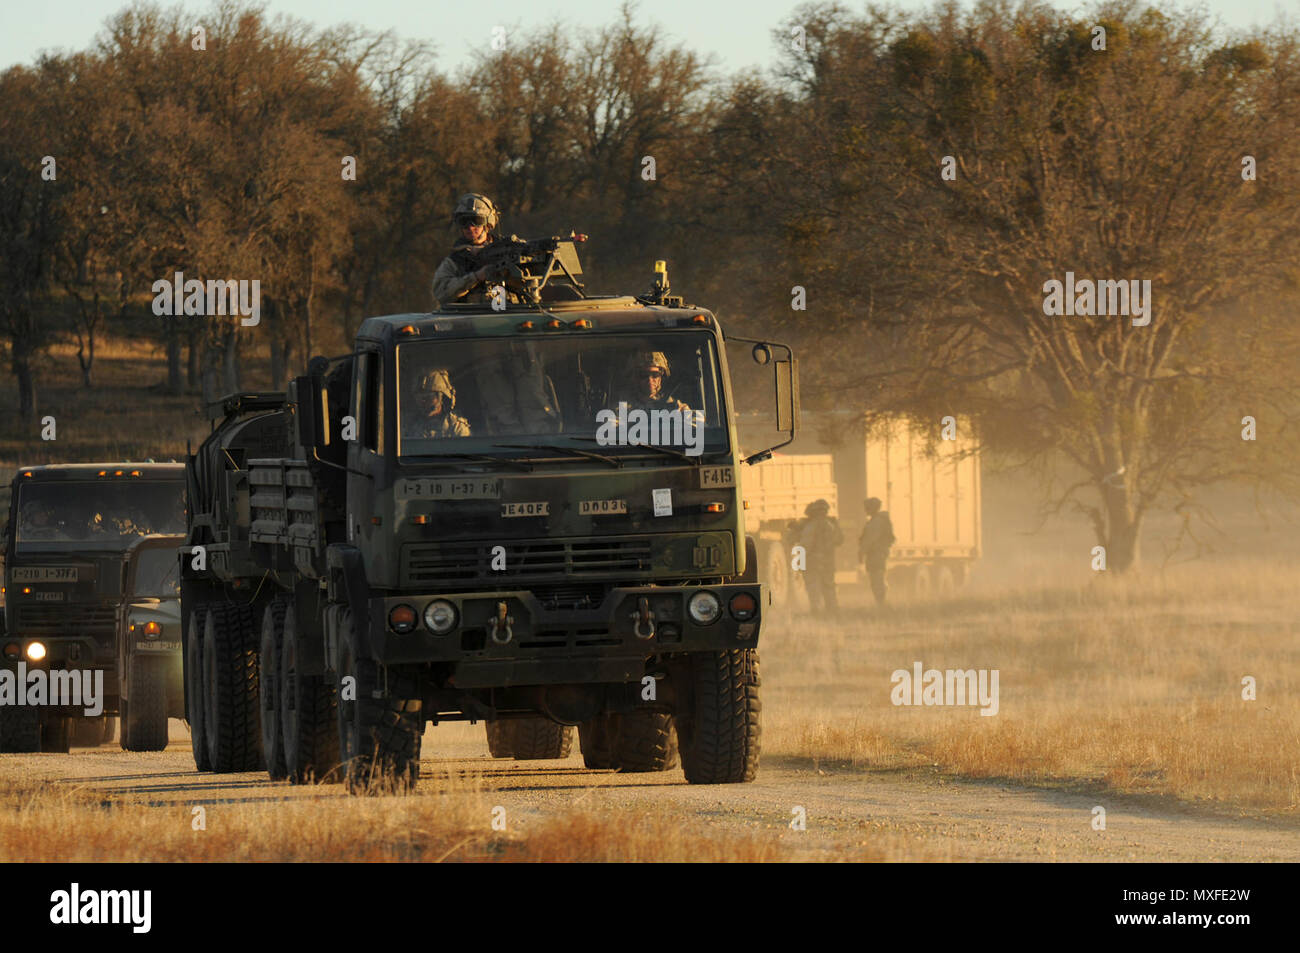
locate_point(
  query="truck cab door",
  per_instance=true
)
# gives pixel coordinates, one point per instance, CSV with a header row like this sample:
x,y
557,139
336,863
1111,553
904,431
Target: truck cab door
x,y
366,453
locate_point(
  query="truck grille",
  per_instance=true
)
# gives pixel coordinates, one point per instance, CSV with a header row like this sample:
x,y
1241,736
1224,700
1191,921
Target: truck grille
x,y
97,622
441,564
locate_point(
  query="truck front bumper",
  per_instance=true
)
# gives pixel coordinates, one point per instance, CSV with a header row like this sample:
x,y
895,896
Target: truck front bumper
x,y
511,638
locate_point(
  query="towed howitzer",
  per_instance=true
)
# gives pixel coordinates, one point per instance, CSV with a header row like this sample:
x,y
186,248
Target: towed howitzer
x,y
525,267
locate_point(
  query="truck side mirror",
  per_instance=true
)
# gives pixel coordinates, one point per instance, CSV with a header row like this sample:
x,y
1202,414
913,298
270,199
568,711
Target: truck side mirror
x,y
787,394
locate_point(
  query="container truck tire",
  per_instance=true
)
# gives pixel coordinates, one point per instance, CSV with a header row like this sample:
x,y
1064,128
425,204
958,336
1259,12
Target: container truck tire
x,y
379,738
921,582
20,729
944,584
195,697
498,739
594,741
721,729
268,703
230,690
145,717
308,709
56,733
539,739
644,741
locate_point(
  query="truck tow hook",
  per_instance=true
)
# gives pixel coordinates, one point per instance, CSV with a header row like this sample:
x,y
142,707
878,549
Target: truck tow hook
x,y
643,618
501,623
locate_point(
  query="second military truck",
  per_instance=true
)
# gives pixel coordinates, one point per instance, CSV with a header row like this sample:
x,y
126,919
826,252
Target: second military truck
x,y
471,517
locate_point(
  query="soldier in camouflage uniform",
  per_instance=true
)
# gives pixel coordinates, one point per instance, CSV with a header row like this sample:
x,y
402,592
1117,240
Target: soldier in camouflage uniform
x,y
873,546
434,400
476,217
821,535
648,373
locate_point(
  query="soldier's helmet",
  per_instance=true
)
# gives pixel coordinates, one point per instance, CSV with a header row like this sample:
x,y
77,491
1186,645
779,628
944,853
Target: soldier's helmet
x,y
438,381
817,508
475,209
645,360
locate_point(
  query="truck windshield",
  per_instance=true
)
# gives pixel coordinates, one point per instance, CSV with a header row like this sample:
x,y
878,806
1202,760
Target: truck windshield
x,y
614,394
103,516
157,573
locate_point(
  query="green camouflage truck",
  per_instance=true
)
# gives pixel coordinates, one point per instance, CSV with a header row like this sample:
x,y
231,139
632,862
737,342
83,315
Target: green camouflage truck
x,y
460,520
66,542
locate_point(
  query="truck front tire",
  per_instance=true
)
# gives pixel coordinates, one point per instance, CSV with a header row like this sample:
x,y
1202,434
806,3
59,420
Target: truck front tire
x,y
379,738
20,729
145,717
230,690
721,730
195,697
643,741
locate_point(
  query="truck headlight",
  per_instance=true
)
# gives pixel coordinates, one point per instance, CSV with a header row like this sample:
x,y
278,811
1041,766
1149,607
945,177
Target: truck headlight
x,y
704,608
36,651
440,616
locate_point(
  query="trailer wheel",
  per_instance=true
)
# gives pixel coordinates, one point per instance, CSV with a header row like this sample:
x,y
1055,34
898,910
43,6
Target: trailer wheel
x,y
944,584
720,730
272,644
644,741
230,690
922,582
308,715
20,729
499,738
196,702
539,739
145,717
56,733
595,742
379,738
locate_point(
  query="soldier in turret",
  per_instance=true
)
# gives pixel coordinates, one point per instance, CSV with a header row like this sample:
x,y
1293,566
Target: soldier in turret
x,y
459,274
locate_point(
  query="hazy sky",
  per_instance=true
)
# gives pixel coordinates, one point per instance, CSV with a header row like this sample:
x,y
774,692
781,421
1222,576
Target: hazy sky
x,y
737,32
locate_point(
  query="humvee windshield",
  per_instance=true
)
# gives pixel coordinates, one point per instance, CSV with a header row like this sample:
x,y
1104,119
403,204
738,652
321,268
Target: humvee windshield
x,y
574,391
97,515
157,573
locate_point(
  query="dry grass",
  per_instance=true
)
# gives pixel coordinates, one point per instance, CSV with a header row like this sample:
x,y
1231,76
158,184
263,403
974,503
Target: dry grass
x,y
1133,685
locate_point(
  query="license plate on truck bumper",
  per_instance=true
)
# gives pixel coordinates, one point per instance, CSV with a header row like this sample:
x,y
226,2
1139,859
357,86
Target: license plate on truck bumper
x,y
629,624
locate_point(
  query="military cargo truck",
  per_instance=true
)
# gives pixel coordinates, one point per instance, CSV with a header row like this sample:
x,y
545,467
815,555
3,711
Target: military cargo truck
x,y
70,526
460,520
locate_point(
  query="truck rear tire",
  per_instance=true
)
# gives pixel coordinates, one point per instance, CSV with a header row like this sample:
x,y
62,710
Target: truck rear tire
x,y
20,729
308,710
595,740
644,741
230,677
499,739
379,738
539,739
195,696
56,733
721,730
268,706
146,711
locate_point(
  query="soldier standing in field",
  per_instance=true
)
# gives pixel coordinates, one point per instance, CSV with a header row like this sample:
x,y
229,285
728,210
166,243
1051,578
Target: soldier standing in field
x,y
873,546
820,535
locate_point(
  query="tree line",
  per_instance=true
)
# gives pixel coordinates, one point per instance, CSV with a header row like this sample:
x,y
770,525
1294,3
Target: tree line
x,y
893,196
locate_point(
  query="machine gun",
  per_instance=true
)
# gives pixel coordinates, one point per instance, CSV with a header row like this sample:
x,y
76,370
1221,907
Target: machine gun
x,y
526,267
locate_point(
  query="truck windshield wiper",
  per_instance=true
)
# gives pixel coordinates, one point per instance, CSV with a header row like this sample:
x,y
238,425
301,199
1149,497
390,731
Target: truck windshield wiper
x,y
648,446
573,450
483,458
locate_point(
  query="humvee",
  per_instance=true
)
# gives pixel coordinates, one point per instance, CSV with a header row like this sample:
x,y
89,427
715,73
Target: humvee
x,y
70,526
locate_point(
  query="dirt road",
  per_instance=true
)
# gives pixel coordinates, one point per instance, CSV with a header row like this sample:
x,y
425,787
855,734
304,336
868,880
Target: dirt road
x,y
913,815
